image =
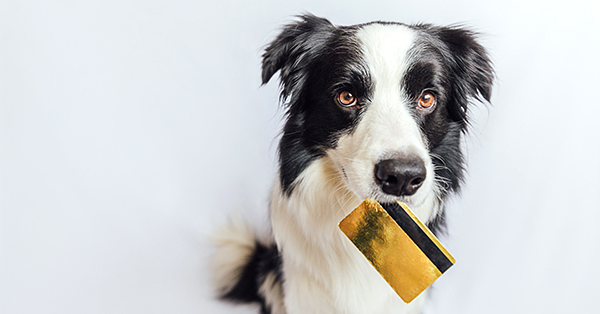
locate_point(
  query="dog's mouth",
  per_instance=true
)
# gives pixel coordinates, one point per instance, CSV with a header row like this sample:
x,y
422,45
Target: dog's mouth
x,y
386,199
375,191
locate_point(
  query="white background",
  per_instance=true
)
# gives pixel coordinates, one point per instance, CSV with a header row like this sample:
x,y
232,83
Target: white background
x,y
129,130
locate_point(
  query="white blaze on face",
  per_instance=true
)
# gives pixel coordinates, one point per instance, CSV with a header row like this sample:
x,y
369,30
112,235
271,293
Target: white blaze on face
x,y
387,127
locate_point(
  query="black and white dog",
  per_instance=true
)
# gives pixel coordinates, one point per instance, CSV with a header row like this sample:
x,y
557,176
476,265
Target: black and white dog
x,y
375,110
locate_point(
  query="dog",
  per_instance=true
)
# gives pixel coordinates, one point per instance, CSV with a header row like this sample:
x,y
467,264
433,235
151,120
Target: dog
x,y
375,110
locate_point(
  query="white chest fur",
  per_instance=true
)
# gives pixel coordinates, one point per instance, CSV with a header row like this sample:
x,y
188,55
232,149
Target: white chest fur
x,y
323,271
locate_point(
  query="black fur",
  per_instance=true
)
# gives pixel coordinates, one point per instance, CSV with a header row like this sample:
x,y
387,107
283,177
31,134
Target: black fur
x,y
470,69
264,260
317,60
452,64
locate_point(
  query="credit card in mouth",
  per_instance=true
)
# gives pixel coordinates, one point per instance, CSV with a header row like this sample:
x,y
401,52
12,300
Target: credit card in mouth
x,y
400,247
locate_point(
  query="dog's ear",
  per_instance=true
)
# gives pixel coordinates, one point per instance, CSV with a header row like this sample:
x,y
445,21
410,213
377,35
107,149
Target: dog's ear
x,y
293,51
471,68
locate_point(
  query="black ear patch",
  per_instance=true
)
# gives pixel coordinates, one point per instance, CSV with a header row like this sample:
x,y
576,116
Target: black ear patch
x,y
293,51
470,67
314,59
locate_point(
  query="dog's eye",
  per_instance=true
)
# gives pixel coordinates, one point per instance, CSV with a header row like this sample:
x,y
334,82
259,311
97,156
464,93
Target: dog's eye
x,y
427,101
346,99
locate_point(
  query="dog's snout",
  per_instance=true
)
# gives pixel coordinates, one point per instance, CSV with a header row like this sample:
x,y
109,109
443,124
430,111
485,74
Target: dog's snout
x,y
400,176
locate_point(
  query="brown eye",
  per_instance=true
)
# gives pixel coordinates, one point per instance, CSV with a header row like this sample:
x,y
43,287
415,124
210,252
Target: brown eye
x,y
427,101
346,99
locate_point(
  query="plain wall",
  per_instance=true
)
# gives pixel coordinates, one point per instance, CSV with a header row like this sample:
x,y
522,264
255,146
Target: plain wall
x,y
129,130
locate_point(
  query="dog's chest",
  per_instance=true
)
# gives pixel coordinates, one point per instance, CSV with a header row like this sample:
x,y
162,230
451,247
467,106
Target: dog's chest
x,y
336,278
323,271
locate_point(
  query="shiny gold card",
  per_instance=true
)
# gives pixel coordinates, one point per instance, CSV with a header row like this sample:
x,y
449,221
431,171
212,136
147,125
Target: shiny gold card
x,y
400,247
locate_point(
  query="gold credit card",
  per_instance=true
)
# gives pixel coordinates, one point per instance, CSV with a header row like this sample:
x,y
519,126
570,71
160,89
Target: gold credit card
x,y
402,249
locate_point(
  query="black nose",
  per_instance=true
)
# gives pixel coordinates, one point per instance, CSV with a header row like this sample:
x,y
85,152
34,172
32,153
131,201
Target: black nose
x,y
400,176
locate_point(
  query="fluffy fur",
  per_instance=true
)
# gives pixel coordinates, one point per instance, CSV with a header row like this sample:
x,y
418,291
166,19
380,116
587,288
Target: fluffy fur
x,y
332,156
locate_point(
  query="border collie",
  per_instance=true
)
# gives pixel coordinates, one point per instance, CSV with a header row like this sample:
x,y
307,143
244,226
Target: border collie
x,y
374,110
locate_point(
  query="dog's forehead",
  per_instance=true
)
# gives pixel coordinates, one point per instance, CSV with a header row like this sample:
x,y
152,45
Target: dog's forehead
x,y
386,47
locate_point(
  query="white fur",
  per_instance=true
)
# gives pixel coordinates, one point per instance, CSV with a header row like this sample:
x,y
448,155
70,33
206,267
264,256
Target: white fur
x,y
323,271
387,127
272,290
235,244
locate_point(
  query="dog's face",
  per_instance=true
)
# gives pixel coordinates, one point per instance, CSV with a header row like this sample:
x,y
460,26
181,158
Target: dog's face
x,y
386,102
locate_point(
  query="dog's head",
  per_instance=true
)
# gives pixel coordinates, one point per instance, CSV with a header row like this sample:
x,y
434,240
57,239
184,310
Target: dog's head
x,y
386,102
